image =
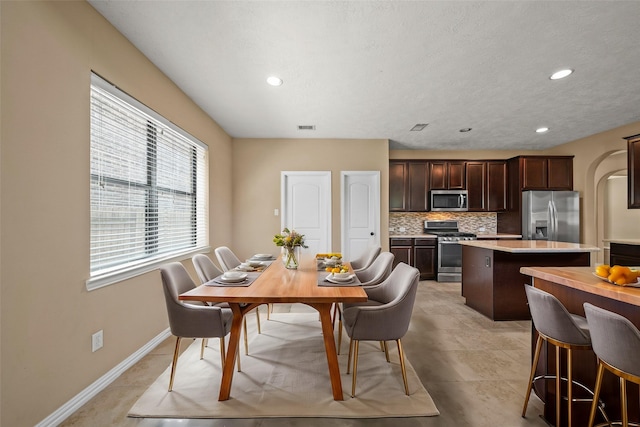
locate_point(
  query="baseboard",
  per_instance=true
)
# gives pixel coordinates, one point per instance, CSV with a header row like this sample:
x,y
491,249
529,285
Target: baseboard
x,y
101,383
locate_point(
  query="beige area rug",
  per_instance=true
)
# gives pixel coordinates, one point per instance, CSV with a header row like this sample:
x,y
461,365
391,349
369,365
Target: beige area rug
x,y
286,375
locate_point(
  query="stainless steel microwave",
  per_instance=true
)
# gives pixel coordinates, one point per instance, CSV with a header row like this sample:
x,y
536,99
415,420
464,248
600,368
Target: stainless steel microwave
x,y
448,201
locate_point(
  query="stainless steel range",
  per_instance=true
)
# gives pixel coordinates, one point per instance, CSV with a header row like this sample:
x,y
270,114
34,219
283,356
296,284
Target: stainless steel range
x,y
449,250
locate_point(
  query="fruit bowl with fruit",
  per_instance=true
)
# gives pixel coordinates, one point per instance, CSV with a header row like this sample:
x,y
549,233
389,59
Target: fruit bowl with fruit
x,y
618,275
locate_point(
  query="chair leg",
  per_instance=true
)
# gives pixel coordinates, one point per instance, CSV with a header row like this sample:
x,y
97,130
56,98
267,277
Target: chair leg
x,y
176,351
246,340
558,375
204,344
569,387
223,353
623,402
596,393
238,357
339,334
386,351
258,319
403,367
381,345
355,368
536,357
349,357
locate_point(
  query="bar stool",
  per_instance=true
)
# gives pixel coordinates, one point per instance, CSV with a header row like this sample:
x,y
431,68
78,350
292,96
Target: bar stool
x,y
616,342
557,326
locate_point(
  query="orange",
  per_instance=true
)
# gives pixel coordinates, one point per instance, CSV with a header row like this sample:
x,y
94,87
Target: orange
x,y
335,270
602,270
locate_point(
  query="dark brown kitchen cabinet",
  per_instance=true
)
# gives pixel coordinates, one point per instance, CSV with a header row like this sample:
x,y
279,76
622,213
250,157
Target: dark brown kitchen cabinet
x,y
477,186
418,187
497,186
624,254
398,186
402,249
408,186
419,253
424,257
487,185
633,171
447,175
546,173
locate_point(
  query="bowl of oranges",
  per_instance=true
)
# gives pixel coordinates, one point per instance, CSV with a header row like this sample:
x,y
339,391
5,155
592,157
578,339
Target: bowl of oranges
x,y
618,275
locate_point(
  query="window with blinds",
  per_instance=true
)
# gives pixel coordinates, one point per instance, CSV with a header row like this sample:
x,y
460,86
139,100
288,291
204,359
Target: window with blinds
x,y
148,188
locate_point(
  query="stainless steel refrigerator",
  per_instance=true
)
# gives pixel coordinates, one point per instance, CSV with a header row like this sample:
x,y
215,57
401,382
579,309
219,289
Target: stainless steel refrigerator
x,y
551,215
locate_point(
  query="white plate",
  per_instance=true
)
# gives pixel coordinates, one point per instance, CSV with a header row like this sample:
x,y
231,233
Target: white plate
x,y
233,279
262,256
332,279
628,285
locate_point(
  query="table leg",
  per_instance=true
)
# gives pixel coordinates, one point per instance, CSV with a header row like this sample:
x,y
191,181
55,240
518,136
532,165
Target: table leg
x,y
234,341
330,348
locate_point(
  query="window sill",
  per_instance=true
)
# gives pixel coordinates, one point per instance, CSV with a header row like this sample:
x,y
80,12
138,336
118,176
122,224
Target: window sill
x,y
112,278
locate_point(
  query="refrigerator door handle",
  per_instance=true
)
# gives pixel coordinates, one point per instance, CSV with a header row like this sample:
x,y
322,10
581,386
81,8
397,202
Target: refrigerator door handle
x,y
554,220
550,231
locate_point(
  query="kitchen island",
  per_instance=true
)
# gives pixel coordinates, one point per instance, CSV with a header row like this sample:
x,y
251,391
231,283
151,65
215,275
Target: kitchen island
x,y
574,286
491,280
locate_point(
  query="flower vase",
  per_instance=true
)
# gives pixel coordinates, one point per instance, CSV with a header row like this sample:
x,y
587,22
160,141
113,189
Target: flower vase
x,y
290,257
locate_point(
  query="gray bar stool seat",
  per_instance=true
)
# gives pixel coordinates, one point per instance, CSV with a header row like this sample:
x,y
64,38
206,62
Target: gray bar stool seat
x,y
616,342
557,326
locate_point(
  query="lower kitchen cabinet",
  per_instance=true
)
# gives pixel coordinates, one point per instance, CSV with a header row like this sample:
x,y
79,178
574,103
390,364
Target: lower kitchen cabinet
x,y
424,258
418,252
402,249
623,254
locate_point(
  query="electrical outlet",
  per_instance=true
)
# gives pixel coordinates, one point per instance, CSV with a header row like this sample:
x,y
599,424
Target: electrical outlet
x,y
97,341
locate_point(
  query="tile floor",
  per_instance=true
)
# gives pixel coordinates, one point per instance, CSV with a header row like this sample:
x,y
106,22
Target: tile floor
x,y
475,369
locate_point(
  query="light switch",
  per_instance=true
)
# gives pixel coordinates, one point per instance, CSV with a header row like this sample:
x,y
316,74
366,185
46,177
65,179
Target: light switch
x,y
276,212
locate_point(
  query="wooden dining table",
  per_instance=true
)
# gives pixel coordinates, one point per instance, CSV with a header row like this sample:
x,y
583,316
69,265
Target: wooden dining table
x,y
277,284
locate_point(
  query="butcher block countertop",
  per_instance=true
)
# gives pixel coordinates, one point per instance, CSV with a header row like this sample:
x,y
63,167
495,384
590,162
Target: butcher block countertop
x,y
529,246
583,279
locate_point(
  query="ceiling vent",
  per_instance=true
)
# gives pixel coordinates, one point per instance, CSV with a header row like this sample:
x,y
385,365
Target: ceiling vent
x,y
306,127
419,127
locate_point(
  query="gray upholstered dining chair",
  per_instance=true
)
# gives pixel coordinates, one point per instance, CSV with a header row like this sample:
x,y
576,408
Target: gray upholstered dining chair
x,y
373,275
228,261
384,317
366,259
616,342
191,320
207,270
379,270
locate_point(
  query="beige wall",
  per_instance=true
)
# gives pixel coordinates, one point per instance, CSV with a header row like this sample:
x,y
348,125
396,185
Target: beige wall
x,y
589,166
257,164
47,316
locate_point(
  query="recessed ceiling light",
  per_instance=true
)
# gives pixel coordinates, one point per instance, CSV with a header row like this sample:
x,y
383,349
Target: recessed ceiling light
x,y
561,74
542,130
306,127
419,127
465,130
274,81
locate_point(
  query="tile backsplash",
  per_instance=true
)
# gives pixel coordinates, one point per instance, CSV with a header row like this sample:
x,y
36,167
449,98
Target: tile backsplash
x,y
413,222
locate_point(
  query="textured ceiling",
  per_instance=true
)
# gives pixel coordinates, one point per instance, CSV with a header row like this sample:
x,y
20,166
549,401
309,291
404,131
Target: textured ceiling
x,y
374,69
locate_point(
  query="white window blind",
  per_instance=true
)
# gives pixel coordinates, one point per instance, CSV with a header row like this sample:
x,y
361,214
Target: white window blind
x,y
148,188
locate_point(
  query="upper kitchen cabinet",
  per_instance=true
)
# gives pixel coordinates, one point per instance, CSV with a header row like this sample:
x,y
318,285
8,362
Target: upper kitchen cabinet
x,y
398,186
497,185
487,185
477,186
408,186
447,175
633,171
546,173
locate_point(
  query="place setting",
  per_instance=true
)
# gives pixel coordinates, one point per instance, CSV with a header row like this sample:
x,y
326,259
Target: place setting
x,y
232,278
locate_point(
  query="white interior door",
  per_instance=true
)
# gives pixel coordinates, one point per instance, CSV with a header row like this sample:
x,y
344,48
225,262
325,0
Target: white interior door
x,y
360,211
306,207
